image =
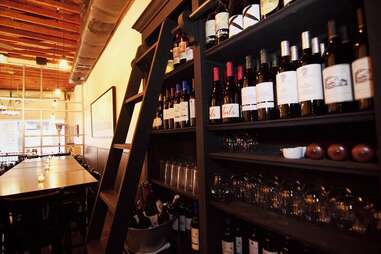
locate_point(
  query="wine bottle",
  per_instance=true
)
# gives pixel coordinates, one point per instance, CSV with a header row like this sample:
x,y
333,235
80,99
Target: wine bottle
x,y
210,30
286,85
182,219
310,82
286,246
188,224
337,75
238,241
346,44
166,103
274,65
164,215
176,49
195,230
251,13
295,63
222,22
175,212
142,220
248,92
231,105
177,106
192,107
227,242
265,89
322,49
363,81
171,109
183,45
269,7
269,245
215,100
235,17
184,105
254,242
158,120
316,50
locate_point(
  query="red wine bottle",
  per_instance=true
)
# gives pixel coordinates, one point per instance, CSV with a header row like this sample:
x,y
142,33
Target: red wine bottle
x,y
310,82
215,99
235,17
210,30
166,108
363,81
192,107
158,120
286,85
222,22
227,242
177,106
171,109
231,105
269,7
248,92
251,13
253,241
184,105
269,245
195,230
238,240
265,89
337,75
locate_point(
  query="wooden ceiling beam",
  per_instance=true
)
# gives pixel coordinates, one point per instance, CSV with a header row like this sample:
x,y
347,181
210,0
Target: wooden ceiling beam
x,y
36,43
33,35
57,51
40,11
35,53
38,29
58,5
9,13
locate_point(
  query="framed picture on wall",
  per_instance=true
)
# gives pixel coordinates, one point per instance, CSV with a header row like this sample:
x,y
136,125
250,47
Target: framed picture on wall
x,y
102,112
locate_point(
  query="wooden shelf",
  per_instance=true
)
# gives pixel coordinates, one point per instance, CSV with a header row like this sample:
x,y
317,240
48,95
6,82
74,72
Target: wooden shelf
x,y
356,117
182,193
347,167
183,71
174,131
285,24
325,237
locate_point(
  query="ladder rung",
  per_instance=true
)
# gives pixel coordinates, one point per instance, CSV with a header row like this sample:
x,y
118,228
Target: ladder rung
x,y
110,198
147,55
135,98
122,146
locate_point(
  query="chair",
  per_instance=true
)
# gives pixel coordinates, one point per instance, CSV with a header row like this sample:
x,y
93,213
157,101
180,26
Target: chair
x,y
32,222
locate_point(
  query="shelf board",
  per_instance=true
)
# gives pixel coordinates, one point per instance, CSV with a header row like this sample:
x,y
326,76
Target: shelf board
x,y
356,117
347,167
182,193
268,33
174,131
183,71
325,237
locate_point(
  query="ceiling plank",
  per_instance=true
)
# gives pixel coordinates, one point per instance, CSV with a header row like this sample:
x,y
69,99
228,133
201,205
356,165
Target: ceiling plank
x,y
35,53
9,13
40,11
36,43
38,29
57,4
57,51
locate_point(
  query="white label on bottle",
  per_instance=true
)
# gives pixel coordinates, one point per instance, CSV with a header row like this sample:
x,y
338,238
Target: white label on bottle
x,y
214,112
227,247
286,87
188,222
222,23
269,252
189,53
249,98
235,24
182,50
238,245
195,239
310,82
363,82
268,6
175,225
182,223
265,95
210,30
230,110
184,111
157,122
176,55
192,108
171,113
165,114
177,112
253,247
337,83
251,15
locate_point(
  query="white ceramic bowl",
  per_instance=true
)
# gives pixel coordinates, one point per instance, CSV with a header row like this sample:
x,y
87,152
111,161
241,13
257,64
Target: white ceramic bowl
x,y
294,152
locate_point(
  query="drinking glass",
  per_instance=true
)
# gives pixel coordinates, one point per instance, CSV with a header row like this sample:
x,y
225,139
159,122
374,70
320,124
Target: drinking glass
x,y
178,174
174,169
188,183
195,181
167,172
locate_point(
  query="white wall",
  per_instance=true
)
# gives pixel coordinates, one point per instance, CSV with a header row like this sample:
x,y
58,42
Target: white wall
x,y
113,69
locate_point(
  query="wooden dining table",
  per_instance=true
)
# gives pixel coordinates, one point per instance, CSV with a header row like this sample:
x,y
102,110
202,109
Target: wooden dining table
x,y
43,174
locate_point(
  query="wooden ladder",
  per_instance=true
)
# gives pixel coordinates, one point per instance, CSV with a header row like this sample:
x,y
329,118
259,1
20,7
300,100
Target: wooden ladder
x,y
118,205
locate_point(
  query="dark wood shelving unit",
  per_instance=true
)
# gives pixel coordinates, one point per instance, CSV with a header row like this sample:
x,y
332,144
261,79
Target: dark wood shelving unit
x,y
175,190
174,131
345,167
179,72
323,237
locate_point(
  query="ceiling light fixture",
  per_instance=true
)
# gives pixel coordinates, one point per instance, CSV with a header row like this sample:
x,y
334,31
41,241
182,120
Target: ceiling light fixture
x,y
3,58
63,64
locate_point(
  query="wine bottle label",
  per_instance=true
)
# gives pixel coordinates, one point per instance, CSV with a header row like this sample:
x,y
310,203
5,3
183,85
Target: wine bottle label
x,y
222,23
182,50
363,78
287,87
310,82
171,113
157,122
214,112
188,222
253,247
184,111
251,15
230,110
249,98
265,95
286,2
268,6
177,112
165,114
189,53
175,225
195,239
227,247
210,30
238,245
176,55
182,222
235,25
337,83
269,252
192,108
